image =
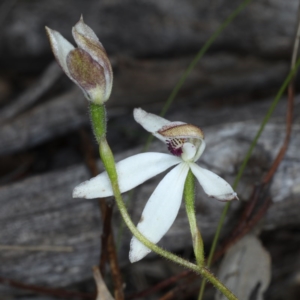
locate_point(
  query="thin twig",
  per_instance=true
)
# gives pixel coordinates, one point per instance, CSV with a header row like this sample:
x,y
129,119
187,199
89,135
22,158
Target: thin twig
x,y
183,289
289,121
60,293
290,109
92,166
248,226
163,284
42,248
247,213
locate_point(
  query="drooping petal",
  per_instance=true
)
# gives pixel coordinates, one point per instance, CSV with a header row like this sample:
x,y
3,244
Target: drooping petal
x,y
152,123
132,171
61,48
213,185
160,211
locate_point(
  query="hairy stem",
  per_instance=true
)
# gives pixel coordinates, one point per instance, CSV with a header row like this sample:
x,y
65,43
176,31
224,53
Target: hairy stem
x,y
189,197
98,120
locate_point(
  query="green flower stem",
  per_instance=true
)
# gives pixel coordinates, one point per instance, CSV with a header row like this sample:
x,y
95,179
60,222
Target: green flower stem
x,y
98,120
214,245
245,161
189,197
109,163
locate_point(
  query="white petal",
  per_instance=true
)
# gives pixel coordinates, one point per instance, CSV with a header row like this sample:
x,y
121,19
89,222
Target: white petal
x,y
150,122
213,185
160,211
200,150
132,171
61,48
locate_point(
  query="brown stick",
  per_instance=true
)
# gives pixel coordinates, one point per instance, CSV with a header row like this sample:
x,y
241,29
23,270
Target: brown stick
x,y
163,284
244,230
60,293
289,121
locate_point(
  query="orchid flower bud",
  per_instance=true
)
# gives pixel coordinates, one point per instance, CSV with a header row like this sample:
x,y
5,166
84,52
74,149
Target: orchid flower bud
x,y
88,65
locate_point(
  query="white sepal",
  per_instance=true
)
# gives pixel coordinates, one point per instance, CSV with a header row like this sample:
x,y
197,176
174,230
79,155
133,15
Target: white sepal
x,y
150,122
86,31
87,40
200,149
160,211
153,123
61,48
212,184
132,171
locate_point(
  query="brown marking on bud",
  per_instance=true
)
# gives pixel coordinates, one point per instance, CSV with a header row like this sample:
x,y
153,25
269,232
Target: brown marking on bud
x,y
85,71
141,219
96,50
181,131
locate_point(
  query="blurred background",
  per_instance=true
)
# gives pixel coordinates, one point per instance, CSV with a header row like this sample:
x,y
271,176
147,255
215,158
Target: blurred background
x,y
49,241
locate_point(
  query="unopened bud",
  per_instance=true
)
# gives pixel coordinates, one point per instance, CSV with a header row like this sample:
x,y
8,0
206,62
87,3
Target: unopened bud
x,y
88,65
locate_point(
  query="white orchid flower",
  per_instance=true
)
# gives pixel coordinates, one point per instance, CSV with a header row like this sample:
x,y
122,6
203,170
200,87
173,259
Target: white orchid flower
x,y
186,144
88,65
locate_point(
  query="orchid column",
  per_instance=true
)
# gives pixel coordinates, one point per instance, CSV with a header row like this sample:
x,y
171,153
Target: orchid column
x,y
88,66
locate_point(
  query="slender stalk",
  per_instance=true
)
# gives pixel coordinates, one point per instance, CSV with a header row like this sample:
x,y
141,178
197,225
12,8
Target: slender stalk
x,y
122,225
189,197
98,120
213,247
